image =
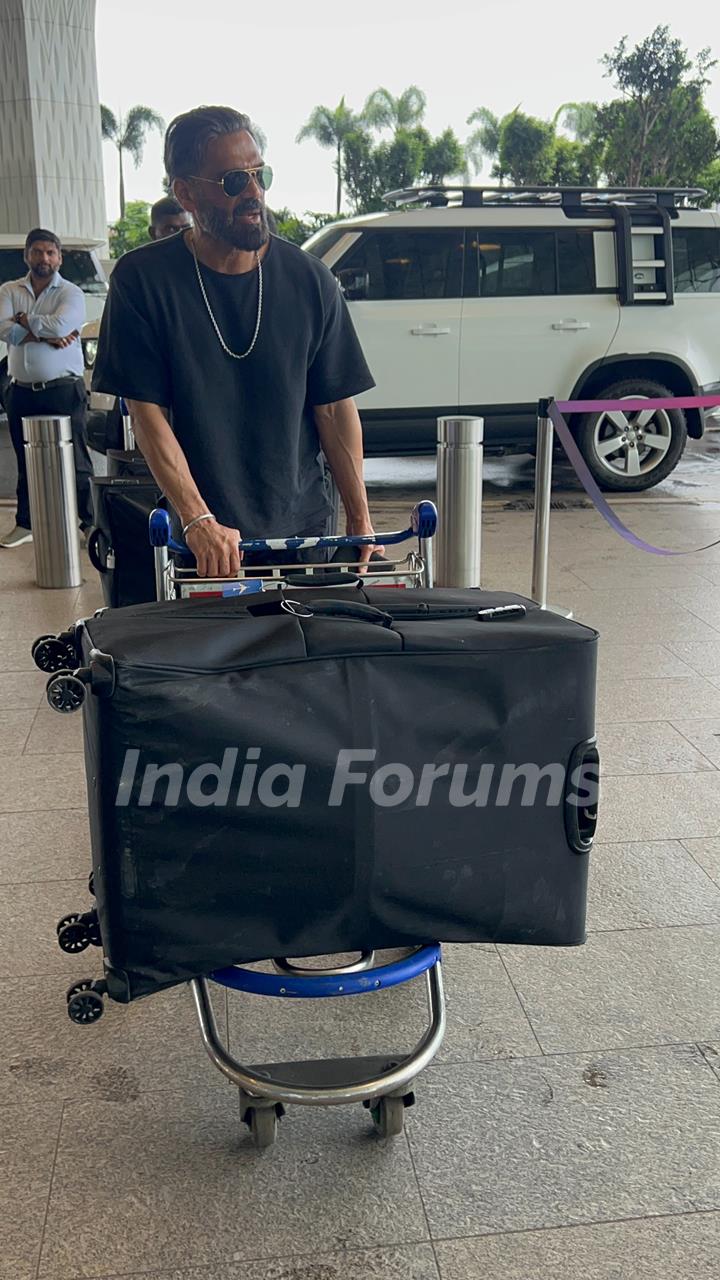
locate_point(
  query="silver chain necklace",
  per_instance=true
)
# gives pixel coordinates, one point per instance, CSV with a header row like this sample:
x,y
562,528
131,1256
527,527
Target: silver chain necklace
x,y
221,340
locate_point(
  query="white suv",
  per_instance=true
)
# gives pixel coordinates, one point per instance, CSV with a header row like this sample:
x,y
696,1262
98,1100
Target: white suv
x,y
484,300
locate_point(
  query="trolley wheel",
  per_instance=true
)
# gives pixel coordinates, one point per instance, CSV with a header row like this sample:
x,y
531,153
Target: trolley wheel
x,y
71,918
85,1006
74,937
263,1123
65,692
51,654
91,883
388,1116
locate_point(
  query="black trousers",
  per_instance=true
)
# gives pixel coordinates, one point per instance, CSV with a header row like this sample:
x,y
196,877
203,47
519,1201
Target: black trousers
x,y
68,400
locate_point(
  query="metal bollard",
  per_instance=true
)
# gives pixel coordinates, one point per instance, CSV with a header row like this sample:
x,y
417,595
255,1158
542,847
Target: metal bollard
x,y
53,501
543,490
459,500
128,433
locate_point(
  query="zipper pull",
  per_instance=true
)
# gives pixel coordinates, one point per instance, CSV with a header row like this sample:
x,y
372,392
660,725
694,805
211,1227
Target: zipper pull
x,y
501,611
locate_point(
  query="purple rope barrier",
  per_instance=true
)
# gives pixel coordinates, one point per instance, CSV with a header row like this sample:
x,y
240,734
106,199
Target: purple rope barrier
x,y
556,410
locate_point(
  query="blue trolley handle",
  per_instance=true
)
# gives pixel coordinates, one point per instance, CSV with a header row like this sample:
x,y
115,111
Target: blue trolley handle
x,y
423,523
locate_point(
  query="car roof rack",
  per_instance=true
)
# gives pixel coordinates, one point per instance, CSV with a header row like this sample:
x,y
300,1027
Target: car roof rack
x,y
573,200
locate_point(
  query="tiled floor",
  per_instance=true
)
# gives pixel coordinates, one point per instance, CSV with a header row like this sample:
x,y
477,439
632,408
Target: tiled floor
x,y
570,1125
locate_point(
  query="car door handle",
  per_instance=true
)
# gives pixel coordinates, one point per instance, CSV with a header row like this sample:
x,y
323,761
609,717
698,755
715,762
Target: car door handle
x,y
569,325
428,331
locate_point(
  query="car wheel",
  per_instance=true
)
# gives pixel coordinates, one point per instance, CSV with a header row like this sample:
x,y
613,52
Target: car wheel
x,y
632,450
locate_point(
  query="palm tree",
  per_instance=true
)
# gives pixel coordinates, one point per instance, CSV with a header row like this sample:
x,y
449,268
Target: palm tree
x,y
383,111
484,142
579,118
330,129
129,135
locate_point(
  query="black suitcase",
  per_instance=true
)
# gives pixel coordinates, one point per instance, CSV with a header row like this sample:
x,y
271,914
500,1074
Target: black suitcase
x,y
118,544
208,850
127,462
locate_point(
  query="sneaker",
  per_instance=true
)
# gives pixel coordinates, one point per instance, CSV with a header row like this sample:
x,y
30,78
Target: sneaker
x,y
16,537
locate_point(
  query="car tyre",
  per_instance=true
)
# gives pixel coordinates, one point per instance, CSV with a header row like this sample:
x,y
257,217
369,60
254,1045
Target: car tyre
x,y
648,445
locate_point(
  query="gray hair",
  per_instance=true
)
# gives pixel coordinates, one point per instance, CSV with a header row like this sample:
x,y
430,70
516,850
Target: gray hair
x,y
189,135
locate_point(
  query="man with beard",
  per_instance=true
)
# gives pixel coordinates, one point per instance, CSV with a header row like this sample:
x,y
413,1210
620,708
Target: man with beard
x,y
237,356
41,316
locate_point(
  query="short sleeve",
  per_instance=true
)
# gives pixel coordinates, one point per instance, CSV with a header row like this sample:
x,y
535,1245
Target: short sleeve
x,y
129,362
338,369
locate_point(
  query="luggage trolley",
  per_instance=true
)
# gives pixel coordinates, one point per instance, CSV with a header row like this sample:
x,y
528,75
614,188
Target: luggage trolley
x,y
383,1083
173,581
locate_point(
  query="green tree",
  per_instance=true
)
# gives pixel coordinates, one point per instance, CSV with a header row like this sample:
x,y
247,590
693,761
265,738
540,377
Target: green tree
x,y
574,164
129,134
442,157
130,231
360,173
659,132
371,170
330,129
526,149
709,178
298,230
383,111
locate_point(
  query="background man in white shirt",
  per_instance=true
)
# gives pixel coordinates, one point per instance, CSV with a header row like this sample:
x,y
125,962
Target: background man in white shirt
x,y
41,316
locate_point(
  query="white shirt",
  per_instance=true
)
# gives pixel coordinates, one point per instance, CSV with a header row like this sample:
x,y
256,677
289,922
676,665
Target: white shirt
x,y
58,310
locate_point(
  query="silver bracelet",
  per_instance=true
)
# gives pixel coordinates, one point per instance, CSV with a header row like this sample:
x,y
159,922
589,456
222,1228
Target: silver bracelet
x,y
207,515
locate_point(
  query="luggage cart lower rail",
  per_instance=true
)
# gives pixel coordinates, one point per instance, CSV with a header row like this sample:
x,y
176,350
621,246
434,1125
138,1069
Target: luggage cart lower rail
x,y
383,1083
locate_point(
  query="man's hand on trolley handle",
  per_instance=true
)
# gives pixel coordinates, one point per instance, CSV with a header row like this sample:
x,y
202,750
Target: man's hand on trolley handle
x,y
215,548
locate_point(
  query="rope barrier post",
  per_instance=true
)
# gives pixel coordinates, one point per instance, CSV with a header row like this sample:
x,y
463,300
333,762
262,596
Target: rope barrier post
x,y
543,494
543,489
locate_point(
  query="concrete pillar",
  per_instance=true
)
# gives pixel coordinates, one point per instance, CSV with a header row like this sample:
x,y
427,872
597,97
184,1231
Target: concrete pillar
x,y
51,171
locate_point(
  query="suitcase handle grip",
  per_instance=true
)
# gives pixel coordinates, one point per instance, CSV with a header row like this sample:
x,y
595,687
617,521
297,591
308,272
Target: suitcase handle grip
x,y
93,550
423,522
581,796
349,609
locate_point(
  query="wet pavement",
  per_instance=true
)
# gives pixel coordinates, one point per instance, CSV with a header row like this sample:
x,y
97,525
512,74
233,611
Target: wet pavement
x,y
508,482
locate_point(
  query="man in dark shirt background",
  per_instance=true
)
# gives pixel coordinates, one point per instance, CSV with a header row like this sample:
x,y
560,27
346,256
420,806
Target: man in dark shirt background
x,y
237,356
167,218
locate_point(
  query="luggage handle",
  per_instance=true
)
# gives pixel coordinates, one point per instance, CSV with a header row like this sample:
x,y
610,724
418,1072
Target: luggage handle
x,y
93,550
581,815
353,609
423,522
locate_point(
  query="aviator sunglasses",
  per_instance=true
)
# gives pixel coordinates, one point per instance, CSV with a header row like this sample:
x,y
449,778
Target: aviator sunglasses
x,y
235,181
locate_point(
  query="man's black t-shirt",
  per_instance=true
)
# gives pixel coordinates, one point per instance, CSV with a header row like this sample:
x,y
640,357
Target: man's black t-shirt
x,y
246,427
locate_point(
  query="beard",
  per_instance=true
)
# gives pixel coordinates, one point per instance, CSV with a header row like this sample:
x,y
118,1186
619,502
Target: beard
x,y
230,227
43,270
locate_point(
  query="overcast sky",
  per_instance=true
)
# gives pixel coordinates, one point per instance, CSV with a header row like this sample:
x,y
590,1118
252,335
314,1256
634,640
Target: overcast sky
x,y
278,61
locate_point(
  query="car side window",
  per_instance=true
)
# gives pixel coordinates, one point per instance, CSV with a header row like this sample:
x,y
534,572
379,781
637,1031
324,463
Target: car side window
x,y
576,261
696,251
509,264
397,265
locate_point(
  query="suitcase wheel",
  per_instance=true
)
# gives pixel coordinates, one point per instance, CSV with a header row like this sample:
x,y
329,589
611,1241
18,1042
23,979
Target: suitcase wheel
x,y
84,1002
91,883
51,654
76,932
70,918
65,692
73,938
